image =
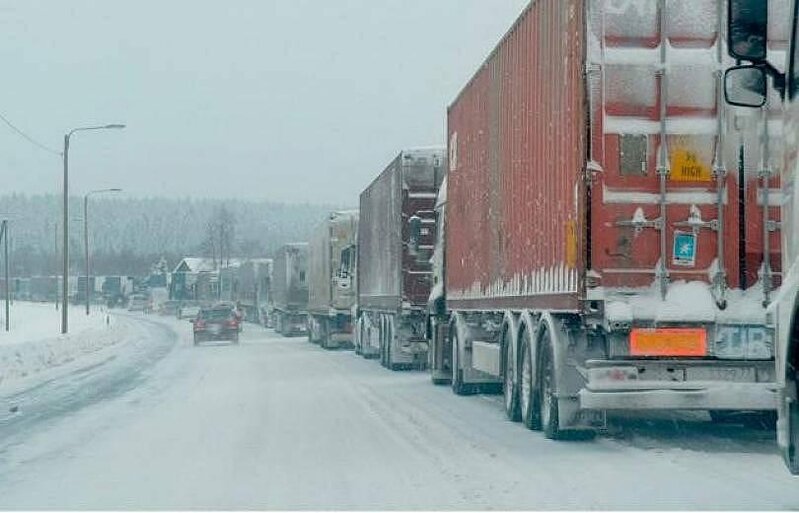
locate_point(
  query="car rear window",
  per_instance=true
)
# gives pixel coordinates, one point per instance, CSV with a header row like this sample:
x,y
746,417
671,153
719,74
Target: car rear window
x,y
215,315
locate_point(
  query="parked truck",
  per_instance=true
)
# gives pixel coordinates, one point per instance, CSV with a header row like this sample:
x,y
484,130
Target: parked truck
x,y
752,26
251,288
290,289
393,282
610,238
331,270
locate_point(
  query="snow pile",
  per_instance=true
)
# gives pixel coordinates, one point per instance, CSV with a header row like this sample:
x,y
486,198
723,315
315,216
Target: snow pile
x,y
684,301
34,343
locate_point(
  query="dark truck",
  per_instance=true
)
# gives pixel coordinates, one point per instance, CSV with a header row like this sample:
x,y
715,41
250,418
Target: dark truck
x,y
393,282
290,289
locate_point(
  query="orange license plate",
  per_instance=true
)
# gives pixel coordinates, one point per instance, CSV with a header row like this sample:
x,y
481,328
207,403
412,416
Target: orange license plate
x,y
668,342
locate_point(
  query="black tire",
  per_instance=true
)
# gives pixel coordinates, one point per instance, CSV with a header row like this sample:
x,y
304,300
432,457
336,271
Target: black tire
x,y
510,389
550,417
389,337
529,408
324,338
357,342
458,386
791,453
381,344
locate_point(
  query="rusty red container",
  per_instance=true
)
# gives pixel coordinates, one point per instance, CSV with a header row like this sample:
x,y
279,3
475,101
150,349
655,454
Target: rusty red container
x,y
558,147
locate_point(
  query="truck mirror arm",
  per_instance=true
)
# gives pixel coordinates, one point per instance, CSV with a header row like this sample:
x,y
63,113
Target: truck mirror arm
x,y
778,77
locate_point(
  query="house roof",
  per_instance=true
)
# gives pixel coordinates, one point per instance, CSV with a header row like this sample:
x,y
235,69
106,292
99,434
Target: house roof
x,y
207,265
195,265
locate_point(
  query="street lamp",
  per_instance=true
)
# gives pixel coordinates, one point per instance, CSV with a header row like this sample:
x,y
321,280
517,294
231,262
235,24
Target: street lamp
x,y
86,237
65,285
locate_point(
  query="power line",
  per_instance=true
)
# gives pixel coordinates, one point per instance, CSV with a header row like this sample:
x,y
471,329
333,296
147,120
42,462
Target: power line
x,y
27,137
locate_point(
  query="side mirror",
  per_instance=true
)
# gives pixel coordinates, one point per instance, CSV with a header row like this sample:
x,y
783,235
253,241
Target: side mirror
x,y
746,86
747,30
415,227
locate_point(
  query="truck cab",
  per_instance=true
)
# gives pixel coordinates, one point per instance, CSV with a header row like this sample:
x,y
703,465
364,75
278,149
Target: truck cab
x,y
747,85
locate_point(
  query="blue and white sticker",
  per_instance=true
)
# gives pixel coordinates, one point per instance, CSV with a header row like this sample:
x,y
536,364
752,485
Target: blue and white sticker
x,y
684,249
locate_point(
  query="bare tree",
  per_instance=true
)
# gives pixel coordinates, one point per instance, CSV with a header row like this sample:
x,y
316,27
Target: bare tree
x,y
220,237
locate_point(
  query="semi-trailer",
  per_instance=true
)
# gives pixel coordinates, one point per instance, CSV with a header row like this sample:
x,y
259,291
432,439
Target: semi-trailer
x,y
393,281
252,288
331,282
611,239
290,289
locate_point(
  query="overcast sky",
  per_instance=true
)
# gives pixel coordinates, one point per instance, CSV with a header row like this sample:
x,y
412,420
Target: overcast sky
x,y
287,100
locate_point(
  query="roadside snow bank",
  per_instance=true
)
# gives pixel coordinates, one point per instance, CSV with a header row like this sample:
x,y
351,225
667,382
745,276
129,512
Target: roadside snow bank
x,y
34,344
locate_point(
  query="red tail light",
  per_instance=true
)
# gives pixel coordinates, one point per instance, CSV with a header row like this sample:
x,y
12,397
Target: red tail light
x,y
199,325
232,323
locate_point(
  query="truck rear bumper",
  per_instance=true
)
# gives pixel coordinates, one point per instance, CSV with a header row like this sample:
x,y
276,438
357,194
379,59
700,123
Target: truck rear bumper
x,y
680,385
716,396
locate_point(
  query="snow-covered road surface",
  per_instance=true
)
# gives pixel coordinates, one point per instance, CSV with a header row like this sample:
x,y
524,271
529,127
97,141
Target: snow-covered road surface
x,y
279,423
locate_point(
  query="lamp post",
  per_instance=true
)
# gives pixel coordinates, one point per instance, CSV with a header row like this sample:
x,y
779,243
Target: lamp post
x,y
65,285
86,238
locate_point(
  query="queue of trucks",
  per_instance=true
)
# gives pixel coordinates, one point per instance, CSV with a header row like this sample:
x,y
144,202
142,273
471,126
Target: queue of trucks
x,y
606,229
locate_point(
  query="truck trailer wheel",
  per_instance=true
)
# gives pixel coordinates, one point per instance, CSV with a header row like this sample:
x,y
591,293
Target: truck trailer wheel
x,y
358,339
510,389
382,341
389,343
458,386
791,452
324,334
550,415
528,396
550,419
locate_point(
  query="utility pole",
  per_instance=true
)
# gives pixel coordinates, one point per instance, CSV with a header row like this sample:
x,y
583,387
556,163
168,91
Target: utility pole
x,y
65,225
65,230
55,252
4,236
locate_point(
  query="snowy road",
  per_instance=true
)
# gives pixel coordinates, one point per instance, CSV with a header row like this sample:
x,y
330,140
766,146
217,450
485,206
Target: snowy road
x,y
279,423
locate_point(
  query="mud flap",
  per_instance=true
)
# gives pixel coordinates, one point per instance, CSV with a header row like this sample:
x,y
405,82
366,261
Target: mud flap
x,y
572,417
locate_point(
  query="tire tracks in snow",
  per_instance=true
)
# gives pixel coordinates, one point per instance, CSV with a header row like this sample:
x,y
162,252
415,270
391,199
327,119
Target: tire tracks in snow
x,y
117,373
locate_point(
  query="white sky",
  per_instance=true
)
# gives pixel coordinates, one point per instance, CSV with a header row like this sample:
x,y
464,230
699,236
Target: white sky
x,y
287,100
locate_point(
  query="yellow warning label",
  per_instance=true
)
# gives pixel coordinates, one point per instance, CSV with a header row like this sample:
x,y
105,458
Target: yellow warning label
x,y
571,244
687,165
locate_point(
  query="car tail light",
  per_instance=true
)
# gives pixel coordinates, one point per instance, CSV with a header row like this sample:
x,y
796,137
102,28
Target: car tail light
x,y
199,325
232,323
